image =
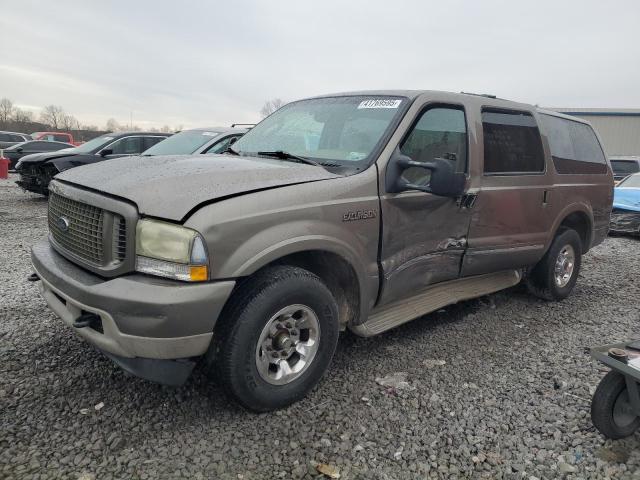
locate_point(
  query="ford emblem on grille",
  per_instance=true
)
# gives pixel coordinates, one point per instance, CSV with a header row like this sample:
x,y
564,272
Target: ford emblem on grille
x,y
63,223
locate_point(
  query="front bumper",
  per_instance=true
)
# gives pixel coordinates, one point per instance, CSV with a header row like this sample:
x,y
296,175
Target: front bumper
x,y
141,317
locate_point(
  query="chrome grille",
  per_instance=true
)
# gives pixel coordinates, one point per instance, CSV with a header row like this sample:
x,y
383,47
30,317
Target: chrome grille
x,y
82,233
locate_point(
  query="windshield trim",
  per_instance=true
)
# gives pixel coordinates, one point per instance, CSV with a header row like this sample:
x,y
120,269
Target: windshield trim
x,y
354,166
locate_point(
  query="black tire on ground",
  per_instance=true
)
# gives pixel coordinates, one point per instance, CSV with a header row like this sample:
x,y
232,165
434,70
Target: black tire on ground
x,y
541,280
231,358
609,399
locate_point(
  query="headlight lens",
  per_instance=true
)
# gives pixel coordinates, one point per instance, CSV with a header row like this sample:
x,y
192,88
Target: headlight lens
x,y
169,250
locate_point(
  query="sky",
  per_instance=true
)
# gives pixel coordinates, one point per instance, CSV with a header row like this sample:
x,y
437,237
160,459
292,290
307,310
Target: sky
x,y
197,63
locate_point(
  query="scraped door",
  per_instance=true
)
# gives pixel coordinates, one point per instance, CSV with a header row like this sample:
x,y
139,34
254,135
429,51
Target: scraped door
x,y
424,235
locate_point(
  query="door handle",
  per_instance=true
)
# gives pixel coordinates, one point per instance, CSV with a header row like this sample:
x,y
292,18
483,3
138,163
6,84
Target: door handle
x,y
546,197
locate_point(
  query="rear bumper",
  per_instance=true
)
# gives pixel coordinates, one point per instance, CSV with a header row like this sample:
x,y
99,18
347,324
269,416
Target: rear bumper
x,y
141,318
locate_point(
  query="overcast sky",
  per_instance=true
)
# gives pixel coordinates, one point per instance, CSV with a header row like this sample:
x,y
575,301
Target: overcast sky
x,y
197,63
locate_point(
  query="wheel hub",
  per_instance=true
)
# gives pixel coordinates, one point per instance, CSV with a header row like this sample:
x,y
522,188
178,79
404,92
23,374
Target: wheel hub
x,y
288,344
564,266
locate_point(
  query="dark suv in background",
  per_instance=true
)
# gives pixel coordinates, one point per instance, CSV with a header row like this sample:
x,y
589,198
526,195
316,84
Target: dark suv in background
x,y
624,166
36,171
7,139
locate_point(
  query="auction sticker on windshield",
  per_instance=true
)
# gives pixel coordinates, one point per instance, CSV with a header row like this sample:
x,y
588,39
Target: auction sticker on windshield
x,y
380,103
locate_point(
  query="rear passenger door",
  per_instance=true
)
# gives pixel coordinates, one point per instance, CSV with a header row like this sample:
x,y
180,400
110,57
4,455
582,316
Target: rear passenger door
x,y
510,217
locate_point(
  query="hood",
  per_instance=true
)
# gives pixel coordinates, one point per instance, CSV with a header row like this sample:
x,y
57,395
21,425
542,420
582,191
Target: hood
x,y
627,199
44,156
171,186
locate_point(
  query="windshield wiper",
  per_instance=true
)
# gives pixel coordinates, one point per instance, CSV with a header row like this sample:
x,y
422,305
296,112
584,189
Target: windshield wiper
x,y
290,156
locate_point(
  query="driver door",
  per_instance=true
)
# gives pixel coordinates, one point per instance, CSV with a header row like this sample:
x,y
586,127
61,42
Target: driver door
x,y
424,235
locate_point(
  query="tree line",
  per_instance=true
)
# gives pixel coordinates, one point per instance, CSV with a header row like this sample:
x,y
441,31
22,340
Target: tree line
x,y
55,118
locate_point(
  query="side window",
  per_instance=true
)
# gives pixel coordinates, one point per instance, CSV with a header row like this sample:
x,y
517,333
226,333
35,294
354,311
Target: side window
x,y
5,137
17,138
44,146
151,141
512,143
127,146
574,146
440,132
61,138
223,144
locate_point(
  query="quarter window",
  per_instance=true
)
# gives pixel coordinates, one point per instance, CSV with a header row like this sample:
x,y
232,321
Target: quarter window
x,y
440,132
574,146
512,143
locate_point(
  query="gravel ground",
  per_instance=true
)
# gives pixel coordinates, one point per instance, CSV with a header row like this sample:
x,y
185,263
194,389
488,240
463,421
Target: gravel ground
x,y
511,401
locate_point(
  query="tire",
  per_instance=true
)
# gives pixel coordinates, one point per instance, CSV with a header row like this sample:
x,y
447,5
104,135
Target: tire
x,y
239,359
607,404
542,281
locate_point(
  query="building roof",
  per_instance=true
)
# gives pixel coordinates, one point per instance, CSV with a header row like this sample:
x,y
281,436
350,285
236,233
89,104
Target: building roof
x,y
599,112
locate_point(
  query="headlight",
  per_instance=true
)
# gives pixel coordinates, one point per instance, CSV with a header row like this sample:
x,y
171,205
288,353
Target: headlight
x,y
169,250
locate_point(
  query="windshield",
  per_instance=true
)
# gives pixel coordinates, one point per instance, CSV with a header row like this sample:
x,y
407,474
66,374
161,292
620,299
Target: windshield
x,y
182,143
336,130
632,181
92,145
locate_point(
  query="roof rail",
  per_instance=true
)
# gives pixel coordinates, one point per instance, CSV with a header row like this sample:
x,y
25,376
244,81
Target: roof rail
x,y
234,125
480,94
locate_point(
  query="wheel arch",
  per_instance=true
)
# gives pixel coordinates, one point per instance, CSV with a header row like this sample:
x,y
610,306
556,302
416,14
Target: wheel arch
x,y
578,218
334,263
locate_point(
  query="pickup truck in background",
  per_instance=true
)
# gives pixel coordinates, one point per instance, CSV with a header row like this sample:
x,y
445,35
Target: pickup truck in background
x,y
55,137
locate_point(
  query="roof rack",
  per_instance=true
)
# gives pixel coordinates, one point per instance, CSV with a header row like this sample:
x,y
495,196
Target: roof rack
x,y
234,125
480,94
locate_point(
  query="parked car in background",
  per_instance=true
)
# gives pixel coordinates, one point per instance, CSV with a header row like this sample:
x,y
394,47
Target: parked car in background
x,y
625,216
37,170
55,137
19,150
623,166
8,139
356,210
197,140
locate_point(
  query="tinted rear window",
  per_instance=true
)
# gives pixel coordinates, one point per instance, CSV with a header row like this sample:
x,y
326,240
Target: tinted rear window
x,y
625,167
574,146
512,143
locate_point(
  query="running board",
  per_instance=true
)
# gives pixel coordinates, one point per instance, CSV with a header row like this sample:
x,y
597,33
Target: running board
x,y
435,297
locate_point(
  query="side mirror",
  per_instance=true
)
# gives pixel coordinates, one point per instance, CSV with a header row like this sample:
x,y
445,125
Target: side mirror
x,y
106,151
233,140
444,181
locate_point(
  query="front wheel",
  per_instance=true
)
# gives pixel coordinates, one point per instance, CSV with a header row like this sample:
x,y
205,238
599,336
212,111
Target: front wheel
x,y
554,277
275,339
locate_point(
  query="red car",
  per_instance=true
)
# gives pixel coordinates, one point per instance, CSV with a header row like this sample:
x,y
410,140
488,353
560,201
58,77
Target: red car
x,y
55,137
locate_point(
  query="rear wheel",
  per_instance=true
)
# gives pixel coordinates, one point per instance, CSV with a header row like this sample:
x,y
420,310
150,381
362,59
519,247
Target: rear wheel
x,y
554,277
611,410
275,339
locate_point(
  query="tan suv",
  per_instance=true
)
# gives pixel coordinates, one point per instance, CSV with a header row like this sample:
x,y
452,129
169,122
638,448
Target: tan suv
x,y
357,210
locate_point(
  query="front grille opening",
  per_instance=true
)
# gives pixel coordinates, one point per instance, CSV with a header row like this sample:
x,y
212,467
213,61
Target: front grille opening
x,y
77,227
96,322
119,238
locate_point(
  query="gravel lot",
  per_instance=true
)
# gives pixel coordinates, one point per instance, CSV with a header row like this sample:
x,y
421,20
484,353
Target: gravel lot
x,y
511,401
